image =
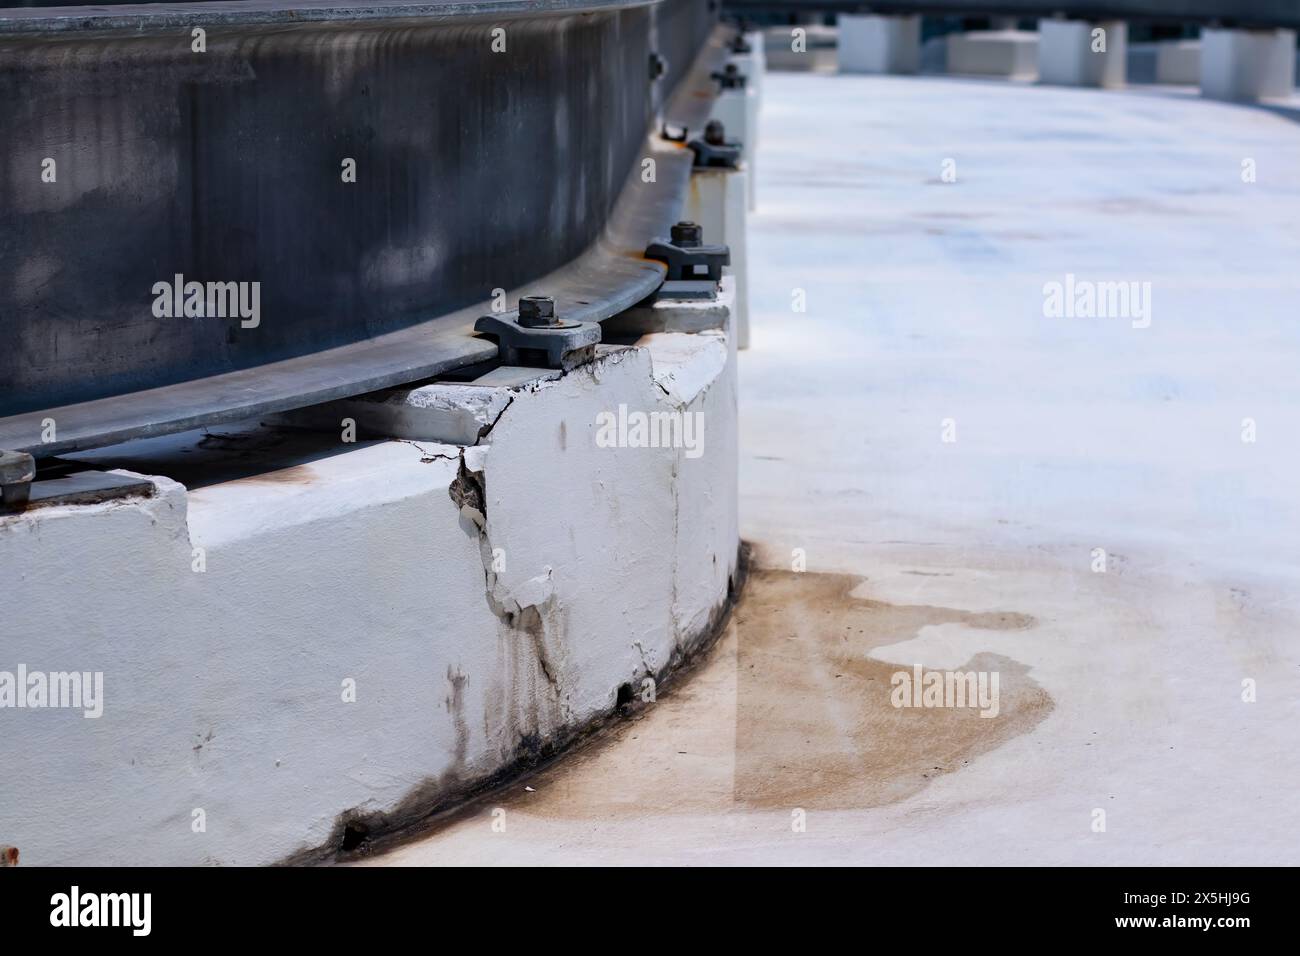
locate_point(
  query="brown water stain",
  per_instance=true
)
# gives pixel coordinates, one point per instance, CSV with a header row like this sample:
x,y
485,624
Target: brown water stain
x,y
791,712
293,475
815,725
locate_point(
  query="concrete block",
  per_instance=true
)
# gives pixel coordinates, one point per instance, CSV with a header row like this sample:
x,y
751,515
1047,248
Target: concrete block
x,y
718,201
752,64
1082,53
1247,65
316,635
1011,53
447,412
676,315
758,55
1178,61
801,49
879,44
737,110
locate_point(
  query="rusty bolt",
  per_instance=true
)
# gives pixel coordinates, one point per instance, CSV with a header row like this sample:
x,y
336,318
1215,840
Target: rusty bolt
x,y
8,855
687,235
537,312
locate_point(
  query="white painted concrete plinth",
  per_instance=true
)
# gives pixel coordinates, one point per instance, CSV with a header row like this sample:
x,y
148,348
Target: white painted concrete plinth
x,y
1082,53
758,55
806,48
1178,62
316,634
1010,53
717,201
752,64
1247,65
879,44
737,110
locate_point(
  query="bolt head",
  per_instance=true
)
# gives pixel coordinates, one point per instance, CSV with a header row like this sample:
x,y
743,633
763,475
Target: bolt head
x,y
715,134
536,311
16,467
687,234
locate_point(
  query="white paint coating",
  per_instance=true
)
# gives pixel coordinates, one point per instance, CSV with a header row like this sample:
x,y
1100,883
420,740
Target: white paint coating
x,y
717,202
752,66
1070,52
1178,62
1247,65
680,315
737,110
925,302
879,44
224,688
1010,53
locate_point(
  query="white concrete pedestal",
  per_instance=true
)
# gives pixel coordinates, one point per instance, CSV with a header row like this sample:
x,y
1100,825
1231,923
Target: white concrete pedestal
x,y
1247,65
1068,53
1178,61
879,44
758,56
737,110
752,64
304,638
717,201
1010,53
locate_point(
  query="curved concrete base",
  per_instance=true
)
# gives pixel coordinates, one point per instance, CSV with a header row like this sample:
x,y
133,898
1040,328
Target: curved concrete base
x,y
317,637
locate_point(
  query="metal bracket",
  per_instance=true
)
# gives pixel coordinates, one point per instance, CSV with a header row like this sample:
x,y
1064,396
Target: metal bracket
x,y
535,337
17,470
61,484
730,77
713,150
687,257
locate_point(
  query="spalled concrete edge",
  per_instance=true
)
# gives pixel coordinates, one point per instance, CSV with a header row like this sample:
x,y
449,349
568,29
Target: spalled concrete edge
x,y
432,805
494,603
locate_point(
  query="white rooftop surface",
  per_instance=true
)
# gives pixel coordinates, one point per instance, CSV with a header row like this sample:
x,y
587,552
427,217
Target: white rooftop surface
x,y
925,302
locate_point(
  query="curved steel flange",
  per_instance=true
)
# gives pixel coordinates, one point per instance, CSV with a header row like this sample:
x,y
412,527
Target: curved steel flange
x,y
609,276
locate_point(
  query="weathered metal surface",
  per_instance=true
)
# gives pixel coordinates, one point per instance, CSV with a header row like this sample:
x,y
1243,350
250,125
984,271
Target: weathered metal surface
x,y
88,487
475,171
1261,13
17,469
536,335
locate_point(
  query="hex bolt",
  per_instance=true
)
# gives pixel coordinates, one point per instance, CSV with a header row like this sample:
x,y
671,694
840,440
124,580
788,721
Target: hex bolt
x,y
17,470
715,134
687,235
730,78
658,66
537,311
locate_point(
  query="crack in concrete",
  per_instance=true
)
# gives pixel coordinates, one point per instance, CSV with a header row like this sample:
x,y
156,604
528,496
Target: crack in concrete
x,y
486,430
468,492
426,455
